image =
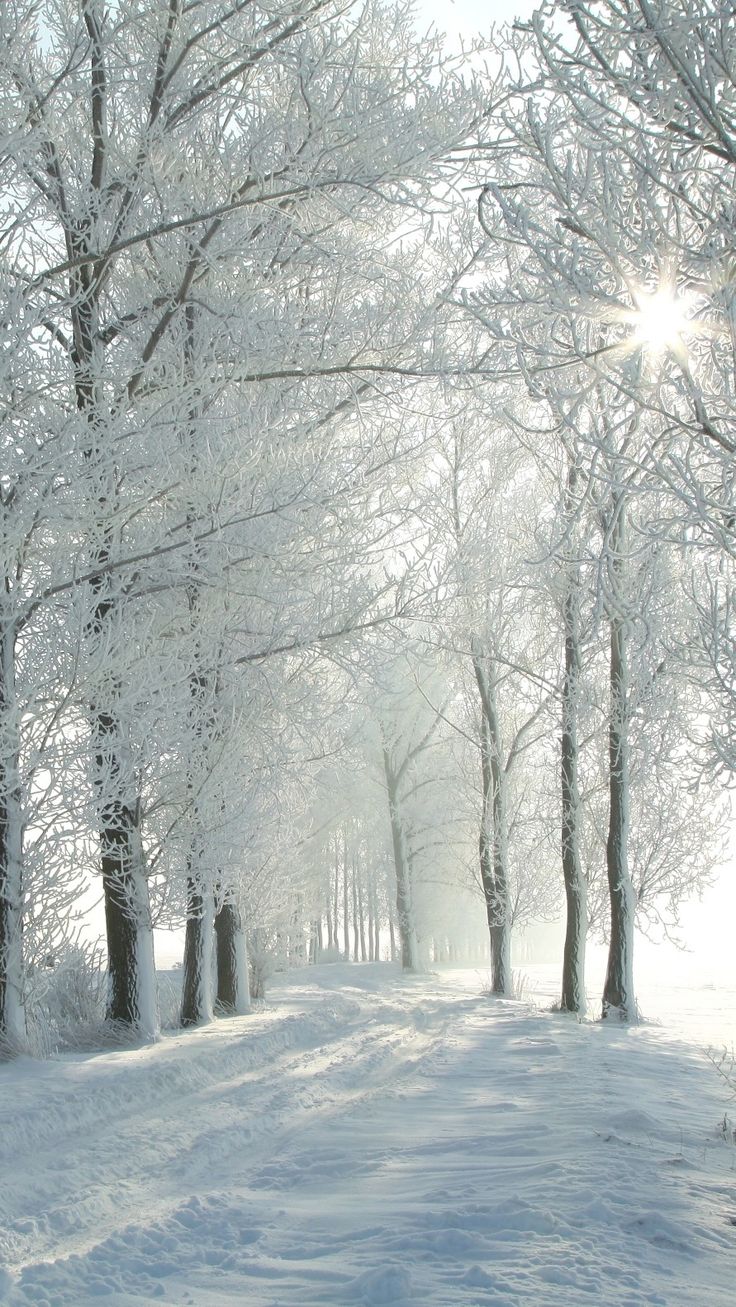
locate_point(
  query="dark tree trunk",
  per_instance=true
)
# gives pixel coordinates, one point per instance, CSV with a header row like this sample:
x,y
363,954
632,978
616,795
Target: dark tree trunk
x,y
576,923
492,840
573,962
197,993
131,1001
618,991
125,915
12,1020
232,995
196,999
125,889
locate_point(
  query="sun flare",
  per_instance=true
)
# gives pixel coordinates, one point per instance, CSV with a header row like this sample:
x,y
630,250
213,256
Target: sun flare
x,y
659,321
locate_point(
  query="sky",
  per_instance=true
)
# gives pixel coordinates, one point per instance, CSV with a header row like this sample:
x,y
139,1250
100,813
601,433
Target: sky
x,y
467,17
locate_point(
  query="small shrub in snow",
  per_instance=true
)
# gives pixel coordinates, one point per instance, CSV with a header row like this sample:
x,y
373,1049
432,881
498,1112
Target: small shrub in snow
x,y
66,1000
725,1064
261,966
727,1129
520,987
168,984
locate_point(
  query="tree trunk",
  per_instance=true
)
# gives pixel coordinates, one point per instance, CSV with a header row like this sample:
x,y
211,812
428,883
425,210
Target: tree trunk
x,y
131,995
355,908
373,924
330,927
618,991
345,895
12,1017
369,921
131,977
361,923
197,1005
233,992
492,843
336,899
405,916
316,941
573,962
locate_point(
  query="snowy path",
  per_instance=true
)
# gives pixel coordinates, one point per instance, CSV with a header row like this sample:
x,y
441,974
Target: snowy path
x,y
371,1141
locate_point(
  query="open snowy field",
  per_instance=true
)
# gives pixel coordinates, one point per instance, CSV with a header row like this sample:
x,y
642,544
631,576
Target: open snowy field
x,y
367,1140
692,1001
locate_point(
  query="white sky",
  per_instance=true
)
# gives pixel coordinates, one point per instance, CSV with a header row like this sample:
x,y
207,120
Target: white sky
x,y
468,17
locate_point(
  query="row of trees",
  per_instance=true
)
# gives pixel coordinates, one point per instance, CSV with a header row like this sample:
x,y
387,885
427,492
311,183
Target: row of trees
x,y
357,540
613,209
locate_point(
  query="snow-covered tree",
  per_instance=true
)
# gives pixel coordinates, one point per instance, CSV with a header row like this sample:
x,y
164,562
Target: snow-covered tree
x,y
163,158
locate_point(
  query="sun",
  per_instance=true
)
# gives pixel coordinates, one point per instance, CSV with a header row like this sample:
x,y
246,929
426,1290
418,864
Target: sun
x,y
659,321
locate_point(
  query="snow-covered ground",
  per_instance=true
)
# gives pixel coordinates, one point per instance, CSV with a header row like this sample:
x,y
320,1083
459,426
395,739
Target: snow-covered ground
x,y
368,1140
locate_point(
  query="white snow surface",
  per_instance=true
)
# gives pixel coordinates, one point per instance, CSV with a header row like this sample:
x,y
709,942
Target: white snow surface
x,y
372,1140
